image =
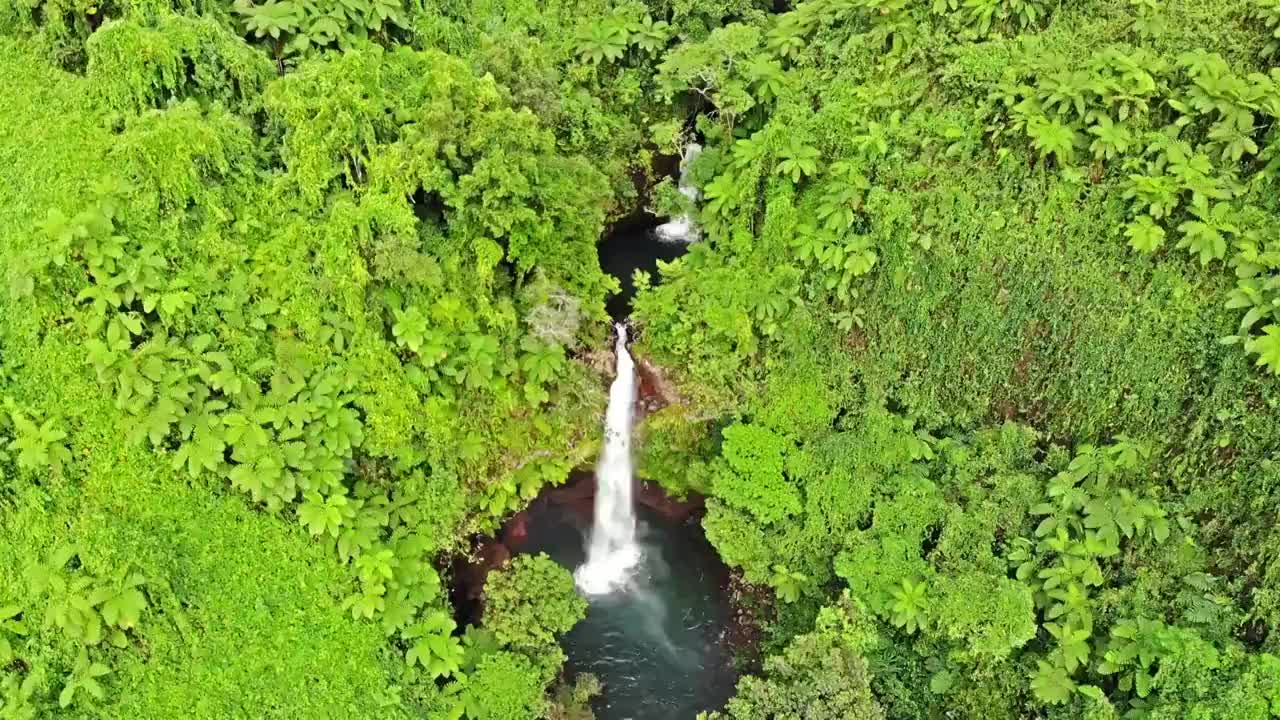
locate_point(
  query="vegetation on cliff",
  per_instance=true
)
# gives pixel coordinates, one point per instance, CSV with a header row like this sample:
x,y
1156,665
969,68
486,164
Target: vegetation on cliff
x,y
978,356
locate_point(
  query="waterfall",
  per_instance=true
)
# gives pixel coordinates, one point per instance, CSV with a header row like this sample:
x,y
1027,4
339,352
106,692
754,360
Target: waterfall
x,y
612,552
683,229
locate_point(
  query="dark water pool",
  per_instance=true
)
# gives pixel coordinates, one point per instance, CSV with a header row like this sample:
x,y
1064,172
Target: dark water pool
x,y
660,649
632,245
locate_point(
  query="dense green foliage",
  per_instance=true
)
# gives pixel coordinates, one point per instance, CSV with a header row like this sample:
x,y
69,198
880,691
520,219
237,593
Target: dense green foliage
x,y
333,312
818,676
529,604
980,338
978,360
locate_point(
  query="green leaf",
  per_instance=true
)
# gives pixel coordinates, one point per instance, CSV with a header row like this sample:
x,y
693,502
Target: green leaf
x,y
940,683
1111,141
797,160
1160,529
1051,137
600,42
1267,348
124,609
1051,684
322,515
908,605
1092,692
1144,235
1142,683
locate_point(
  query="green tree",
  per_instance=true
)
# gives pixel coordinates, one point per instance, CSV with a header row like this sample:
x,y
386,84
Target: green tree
x,y
816,677
529,604
504,686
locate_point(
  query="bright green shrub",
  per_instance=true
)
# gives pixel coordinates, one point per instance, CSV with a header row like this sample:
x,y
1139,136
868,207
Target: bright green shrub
x,y
136,64
307,27
669,449
753,479
816,676
530,603
504,686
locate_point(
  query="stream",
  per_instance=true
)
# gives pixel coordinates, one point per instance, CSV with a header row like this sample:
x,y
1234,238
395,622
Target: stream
x,y
655,633
633,244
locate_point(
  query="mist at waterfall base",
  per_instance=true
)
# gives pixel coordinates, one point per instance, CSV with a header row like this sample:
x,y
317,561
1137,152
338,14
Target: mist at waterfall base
x,y
658,647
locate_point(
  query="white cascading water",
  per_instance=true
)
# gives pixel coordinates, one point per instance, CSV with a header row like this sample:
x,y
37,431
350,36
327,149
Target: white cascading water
x,y
612,553
683,229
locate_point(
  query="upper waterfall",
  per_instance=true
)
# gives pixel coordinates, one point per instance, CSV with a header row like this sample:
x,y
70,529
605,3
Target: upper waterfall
x,y
683,228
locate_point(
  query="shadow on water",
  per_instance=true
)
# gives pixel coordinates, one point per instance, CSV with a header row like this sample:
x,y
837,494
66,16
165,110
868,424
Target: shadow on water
x,y
631,245
660,648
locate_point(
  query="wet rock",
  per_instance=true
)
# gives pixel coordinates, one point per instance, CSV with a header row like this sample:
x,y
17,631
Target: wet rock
x,y
749,603
653,496
516,530
580,492
469,575
654,391
580,487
